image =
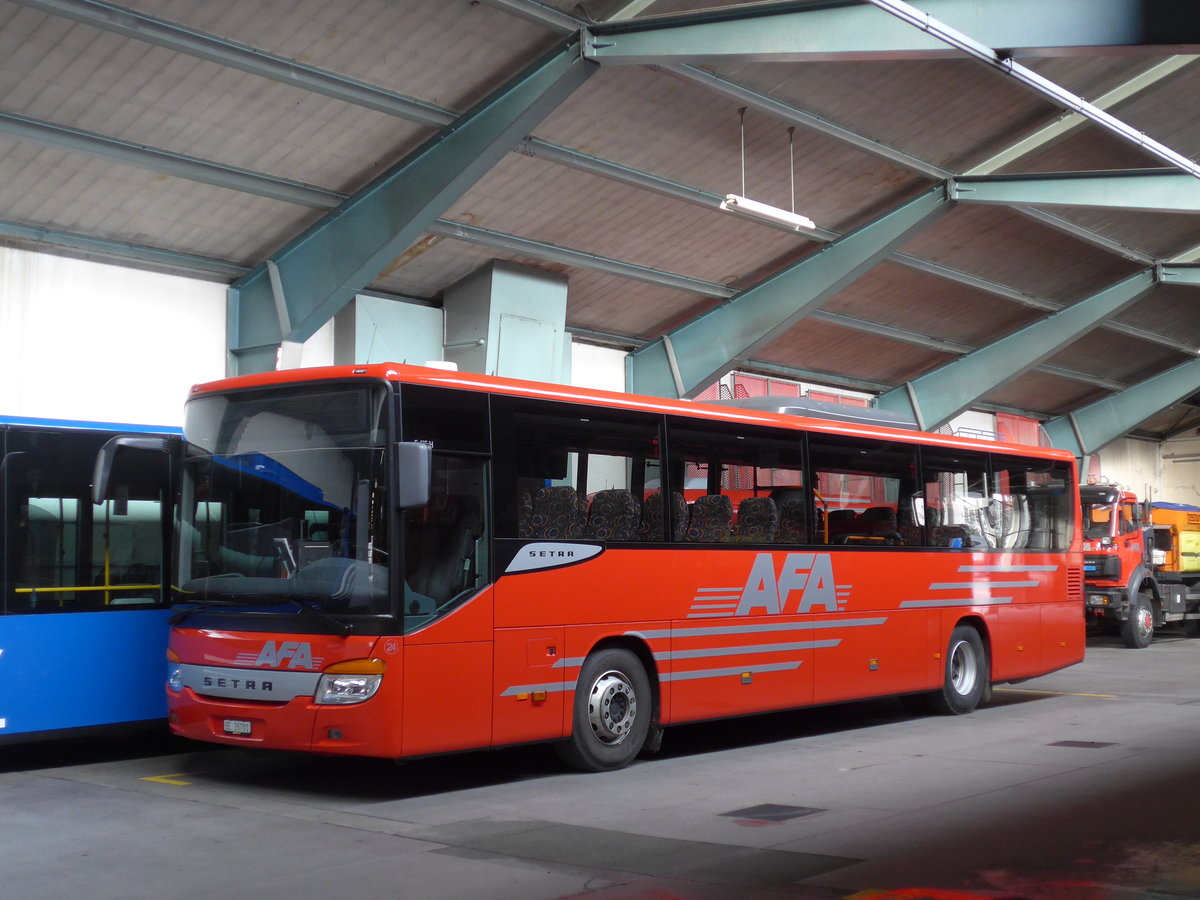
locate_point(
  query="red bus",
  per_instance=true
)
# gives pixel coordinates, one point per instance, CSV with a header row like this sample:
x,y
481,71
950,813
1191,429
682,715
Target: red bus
x,y
398,561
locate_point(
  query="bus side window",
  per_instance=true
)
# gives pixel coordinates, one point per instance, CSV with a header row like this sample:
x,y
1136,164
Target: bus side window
x,y
863,486
1031,507
957,498
576,473
67,553
742,484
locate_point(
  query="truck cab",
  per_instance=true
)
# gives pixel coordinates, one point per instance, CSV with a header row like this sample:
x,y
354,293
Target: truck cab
x,y
1139,574
1121,592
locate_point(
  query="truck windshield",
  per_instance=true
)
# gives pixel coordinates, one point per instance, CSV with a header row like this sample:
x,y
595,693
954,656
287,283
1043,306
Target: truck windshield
x,y
1098,520
284,500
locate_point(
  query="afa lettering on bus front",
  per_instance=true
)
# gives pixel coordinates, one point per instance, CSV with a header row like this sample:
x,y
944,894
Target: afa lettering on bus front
x,y
296,654
803,582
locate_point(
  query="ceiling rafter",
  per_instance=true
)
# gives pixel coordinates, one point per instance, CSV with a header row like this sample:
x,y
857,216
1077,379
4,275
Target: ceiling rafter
x,y
147,28
262,184
548,15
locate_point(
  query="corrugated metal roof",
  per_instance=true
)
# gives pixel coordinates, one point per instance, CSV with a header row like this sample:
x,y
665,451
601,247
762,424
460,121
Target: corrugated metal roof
x,y
980,272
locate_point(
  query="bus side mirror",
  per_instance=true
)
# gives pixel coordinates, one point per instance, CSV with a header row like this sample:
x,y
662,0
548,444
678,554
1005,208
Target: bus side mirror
x,y
102,473
413,474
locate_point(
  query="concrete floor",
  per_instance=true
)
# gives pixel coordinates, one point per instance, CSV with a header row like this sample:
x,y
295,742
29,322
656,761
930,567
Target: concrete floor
x,y
1083,784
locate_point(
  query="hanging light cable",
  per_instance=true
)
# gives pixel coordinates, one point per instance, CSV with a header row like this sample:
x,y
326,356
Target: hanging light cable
x,y
741,205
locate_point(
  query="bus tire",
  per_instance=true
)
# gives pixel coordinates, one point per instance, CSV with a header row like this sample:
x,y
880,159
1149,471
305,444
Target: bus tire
x,y
965,678
1138,630
613,708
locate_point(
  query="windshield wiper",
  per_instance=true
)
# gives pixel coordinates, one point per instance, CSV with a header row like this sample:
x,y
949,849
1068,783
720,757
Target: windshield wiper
x,y
339,626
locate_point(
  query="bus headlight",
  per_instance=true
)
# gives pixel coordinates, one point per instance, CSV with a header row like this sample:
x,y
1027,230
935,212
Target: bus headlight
x,y
350,682
175,678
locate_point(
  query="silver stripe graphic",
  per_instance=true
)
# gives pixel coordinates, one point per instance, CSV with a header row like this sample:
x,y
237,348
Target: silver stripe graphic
x,y
251,659
969,585
706,652
756,628
1008,568
569,662
721,673
552,688
956,601
736,590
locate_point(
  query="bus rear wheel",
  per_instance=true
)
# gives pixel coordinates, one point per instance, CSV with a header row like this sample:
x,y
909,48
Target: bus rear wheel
x,y
612,712
965,679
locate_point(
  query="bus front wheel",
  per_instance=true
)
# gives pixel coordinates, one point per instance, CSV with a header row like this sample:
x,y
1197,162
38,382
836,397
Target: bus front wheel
x,y
612,712
966,676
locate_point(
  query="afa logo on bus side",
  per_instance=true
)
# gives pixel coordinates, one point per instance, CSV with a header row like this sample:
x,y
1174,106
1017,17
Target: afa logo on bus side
x,y
805,580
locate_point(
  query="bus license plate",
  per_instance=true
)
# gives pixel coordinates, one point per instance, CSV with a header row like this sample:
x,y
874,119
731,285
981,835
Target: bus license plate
x,y
237,726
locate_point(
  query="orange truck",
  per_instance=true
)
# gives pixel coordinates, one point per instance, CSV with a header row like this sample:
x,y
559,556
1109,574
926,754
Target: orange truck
x,y
1141,563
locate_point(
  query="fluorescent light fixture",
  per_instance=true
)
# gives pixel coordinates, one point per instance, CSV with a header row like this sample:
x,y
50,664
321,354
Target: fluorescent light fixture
x,y
761,212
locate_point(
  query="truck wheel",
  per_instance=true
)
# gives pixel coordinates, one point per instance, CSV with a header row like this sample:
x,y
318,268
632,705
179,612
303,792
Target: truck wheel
x,y
966,674
1138,630
612,712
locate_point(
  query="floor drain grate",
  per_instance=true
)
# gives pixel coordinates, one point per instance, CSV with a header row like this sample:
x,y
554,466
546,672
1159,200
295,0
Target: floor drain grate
x,y
772,812
1083,745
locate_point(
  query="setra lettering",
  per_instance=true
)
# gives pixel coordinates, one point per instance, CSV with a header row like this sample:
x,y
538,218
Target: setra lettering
x,y
244,684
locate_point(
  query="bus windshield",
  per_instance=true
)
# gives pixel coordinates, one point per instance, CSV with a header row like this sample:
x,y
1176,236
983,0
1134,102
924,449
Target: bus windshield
x,y
284,500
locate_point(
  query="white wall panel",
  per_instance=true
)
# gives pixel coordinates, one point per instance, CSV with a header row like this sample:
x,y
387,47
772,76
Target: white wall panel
x,y
87,340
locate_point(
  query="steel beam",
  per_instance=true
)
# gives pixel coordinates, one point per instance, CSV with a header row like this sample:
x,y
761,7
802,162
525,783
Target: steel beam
x,y
1147,190
512,243
1001,60
142,27
687,359
168,260
938,396
1181,274
320,270
1069,121
540,13
787,113
1058,223
803,31
1091,427
167,163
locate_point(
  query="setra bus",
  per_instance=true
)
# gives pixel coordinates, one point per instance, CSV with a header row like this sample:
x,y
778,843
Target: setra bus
x,y
83,612
398,561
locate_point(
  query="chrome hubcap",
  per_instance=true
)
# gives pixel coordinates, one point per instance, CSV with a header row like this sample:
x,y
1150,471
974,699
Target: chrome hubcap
x,y
1145,621
612,707
964,670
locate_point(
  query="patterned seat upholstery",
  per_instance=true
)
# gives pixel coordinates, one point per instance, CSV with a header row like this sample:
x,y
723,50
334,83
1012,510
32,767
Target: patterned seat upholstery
x,y
559,514
524,514
614,516
652,528
946,535
913,535
757,521
792,528
709,519
878,521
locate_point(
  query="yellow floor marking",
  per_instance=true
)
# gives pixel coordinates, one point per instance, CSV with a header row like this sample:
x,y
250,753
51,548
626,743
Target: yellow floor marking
x,y
1055,693
167,779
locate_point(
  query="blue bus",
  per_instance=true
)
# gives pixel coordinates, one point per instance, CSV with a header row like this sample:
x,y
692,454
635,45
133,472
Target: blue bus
x,y
83,600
